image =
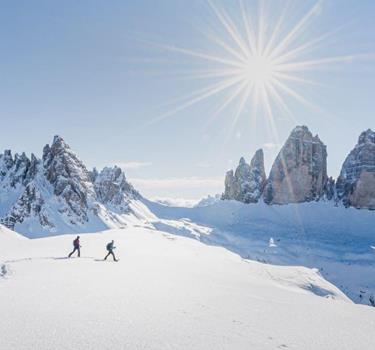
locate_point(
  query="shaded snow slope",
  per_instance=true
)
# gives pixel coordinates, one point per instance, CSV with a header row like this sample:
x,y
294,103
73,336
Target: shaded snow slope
x,y
168,292
336,240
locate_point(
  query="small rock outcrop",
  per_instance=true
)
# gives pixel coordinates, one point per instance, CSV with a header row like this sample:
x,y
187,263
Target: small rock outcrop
x,y
356,184
299,173
246,184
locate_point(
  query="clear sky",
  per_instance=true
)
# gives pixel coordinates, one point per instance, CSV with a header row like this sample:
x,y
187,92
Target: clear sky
x,y
100,74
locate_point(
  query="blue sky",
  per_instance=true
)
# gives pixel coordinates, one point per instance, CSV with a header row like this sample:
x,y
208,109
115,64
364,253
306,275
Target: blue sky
x,y
88,70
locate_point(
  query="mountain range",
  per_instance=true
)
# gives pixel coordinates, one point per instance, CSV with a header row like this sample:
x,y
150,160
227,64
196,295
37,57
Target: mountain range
x,y
58,194
299,174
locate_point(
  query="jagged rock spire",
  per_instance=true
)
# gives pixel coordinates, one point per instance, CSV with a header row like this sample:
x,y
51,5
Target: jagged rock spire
x,y
247,183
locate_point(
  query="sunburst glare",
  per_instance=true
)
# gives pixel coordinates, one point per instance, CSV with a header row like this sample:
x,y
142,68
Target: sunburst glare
x,y
262,64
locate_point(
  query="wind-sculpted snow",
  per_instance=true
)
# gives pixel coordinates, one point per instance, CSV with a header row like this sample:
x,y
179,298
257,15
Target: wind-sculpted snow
x,y
168,292
334,239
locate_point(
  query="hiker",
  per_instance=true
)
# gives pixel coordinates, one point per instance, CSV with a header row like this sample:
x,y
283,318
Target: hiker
x,y
77,247
110,247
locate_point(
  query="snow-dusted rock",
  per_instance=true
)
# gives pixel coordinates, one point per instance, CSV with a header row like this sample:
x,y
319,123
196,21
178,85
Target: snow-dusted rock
x,y
299,173
6,162
30,204
356,183
112,189
58,193
69,178
247,183
15,174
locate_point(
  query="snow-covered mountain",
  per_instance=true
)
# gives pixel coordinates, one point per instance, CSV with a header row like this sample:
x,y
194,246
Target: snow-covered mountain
x,y
57,193
166,292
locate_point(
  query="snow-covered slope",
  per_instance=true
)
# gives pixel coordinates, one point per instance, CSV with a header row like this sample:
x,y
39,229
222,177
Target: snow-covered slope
x,y
339,241
167,292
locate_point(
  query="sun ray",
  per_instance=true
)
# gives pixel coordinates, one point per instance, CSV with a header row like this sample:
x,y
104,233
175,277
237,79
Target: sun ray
x,y
249,33
230,27
276,30
297,28
244,99
277,97
294,94
226,102
225,46
304,48
297,79
212,90
198,54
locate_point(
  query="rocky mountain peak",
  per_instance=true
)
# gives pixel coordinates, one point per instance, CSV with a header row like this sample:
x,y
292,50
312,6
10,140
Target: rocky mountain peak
x,y
367,136
112,188
299,172
247,182
300,130
242,161
69,178
6,162
356,183
7,158
258,160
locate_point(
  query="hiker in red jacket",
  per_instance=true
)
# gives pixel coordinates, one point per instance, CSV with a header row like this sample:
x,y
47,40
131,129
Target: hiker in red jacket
x,y
77,246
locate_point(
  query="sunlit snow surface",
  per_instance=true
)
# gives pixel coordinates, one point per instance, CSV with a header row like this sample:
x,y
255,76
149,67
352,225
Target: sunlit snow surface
x,y
336,240
166,292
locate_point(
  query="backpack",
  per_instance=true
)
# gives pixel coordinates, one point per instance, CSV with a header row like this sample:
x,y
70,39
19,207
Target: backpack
x,y
109,246
76,242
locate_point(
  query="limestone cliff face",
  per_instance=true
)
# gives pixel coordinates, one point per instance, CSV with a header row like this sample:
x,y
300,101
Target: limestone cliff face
x,y
356,184
246,184
299,173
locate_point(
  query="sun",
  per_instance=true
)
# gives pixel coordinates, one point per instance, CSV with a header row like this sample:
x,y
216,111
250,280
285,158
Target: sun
x,y
259,70
262,62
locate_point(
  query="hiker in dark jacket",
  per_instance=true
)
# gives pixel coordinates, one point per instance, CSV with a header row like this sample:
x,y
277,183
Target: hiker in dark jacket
x,y
110,247
77,247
